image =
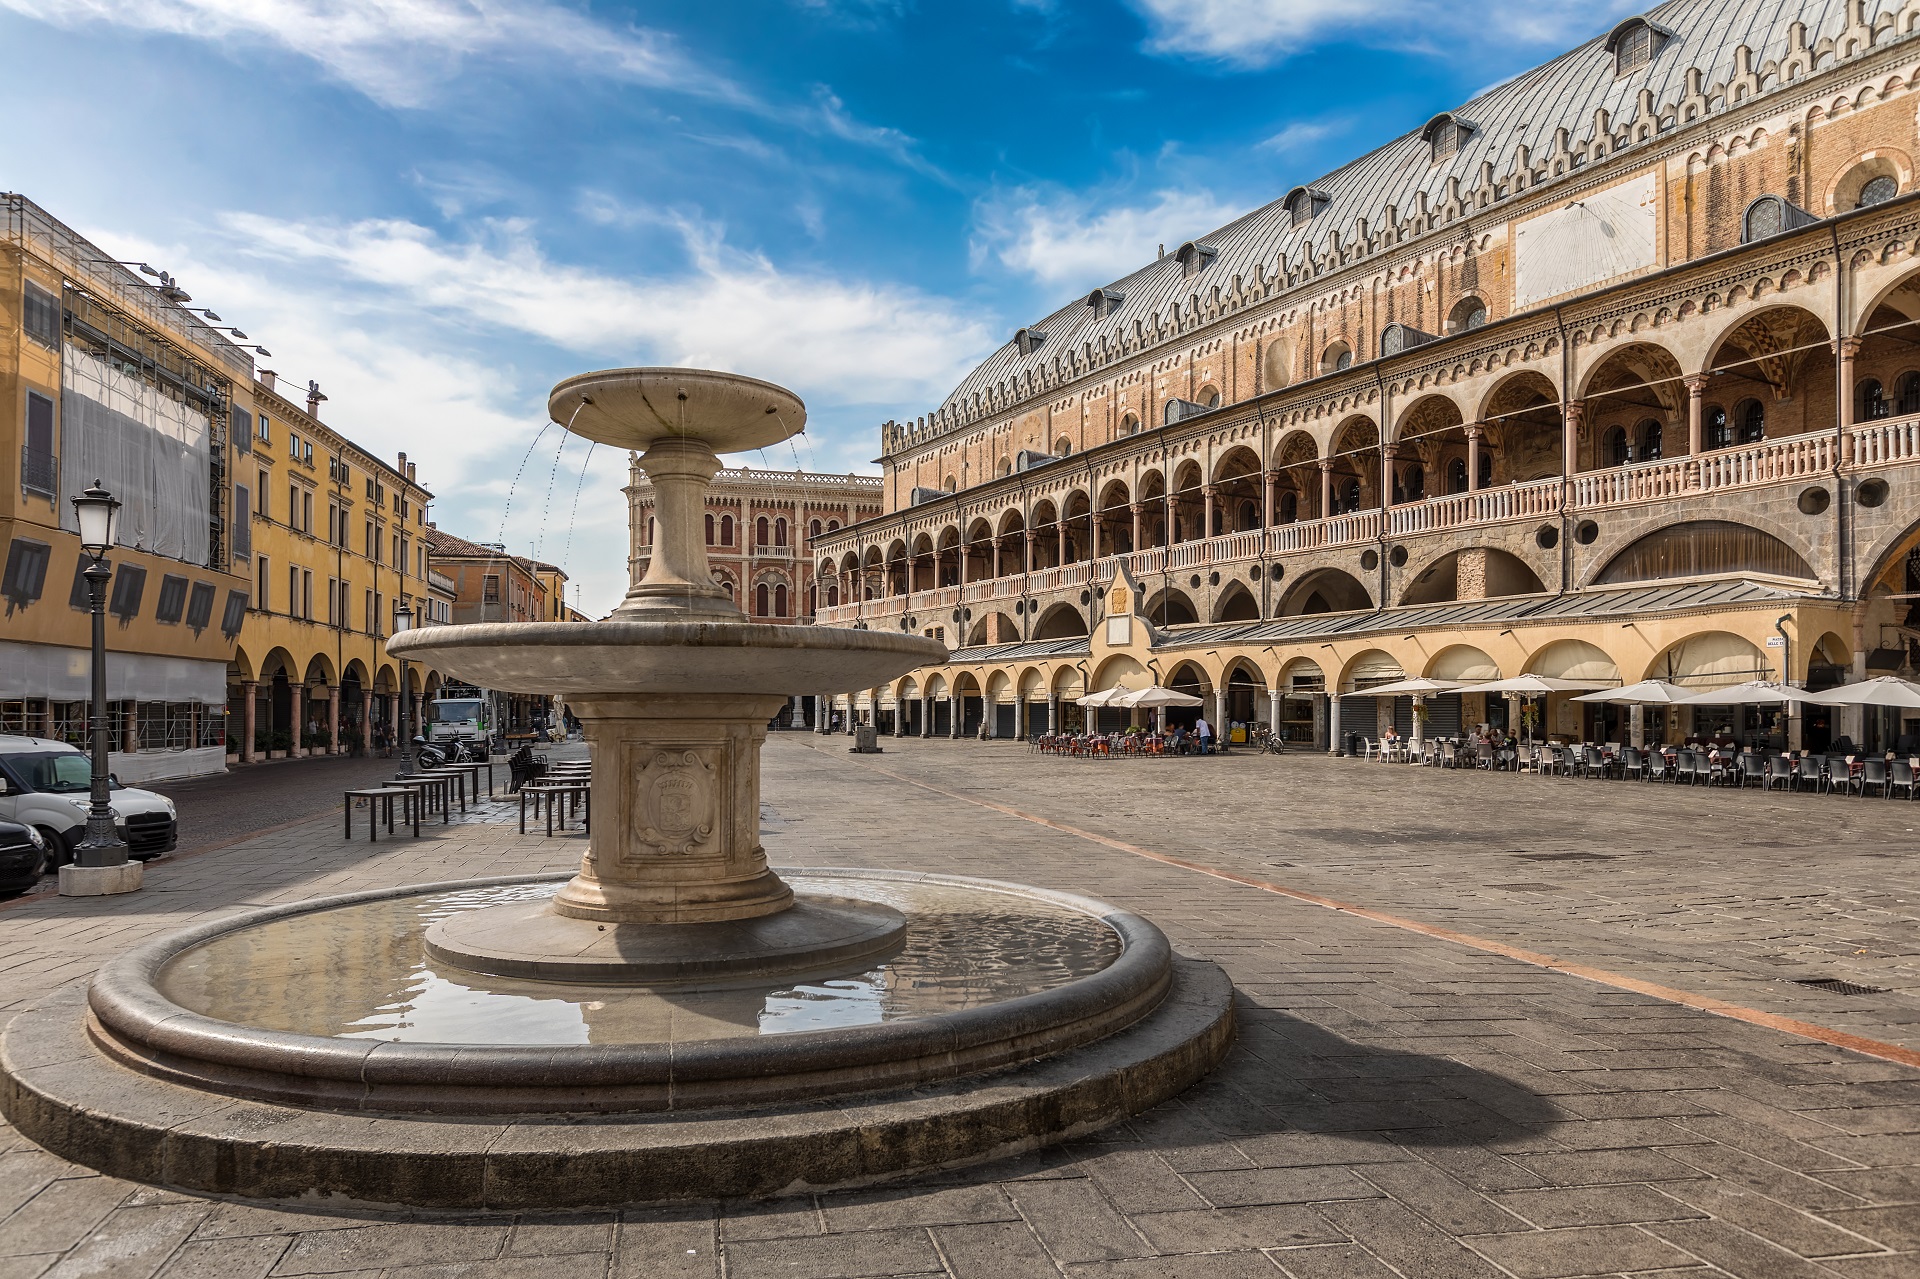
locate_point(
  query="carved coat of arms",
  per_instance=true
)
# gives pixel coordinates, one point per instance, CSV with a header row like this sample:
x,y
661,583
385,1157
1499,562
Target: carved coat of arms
x,y
673,801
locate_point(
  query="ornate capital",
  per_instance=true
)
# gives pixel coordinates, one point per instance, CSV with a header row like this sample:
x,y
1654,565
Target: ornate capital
x,y
1696,385
1474,431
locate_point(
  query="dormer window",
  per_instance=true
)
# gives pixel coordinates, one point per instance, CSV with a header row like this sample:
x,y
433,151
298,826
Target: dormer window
x,y
1397,338
1029,340
1104,302
1634,44
1303,202
1445,134
1770,215
1193,257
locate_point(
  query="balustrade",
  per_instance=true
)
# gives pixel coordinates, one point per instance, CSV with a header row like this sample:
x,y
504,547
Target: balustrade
x,y
1887,440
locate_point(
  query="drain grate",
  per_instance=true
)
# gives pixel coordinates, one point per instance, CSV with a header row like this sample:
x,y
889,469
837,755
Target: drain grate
x,y
1563,857
1834,986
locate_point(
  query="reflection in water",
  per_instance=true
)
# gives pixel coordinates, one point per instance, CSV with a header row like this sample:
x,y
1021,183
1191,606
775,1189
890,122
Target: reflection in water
x,y
361,972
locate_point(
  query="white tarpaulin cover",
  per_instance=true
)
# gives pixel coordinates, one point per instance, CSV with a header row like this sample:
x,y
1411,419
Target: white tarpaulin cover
x,y
152,452
66,674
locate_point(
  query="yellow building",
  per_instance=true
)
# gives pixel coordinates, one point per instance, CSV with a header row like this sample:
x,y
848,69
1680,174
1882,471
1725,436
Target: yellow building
x,y
331,539
104,374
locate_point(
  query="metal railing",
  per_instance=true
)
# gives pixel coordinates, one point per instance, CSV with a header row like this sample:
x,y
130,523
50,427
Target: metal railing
x,y
39,471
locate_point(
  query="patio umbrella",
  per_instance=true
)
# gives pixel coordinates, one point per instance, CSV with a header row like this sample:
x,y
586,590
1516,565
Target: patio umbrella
x,y
1535,685
1417,687
1882,690
1156,695
1105,697
1754,692
1648,692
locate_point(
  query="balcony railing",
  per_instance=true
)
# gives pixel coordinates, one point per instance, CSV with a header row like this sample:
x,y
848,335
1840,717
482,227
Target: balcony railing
x,y
1889,441
39,471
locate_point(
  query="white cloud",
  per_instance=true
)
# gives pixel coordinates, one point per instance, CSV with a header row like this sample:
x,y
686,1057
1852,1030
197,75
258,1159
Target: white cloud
x,y
1259,33
1302,133
729,309
398,51
1084,239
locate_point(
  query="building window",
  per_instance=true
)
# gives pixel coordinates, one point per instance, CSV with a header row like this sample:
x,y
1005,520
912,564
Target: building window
x,y
173,599
833,526
760,600
1289,507
234,614
1445,134
200,606
1873,400
1302,203
1750,420
42,316
1650,439
1619,448
293,591
38,472
1879,191
262,600
1910,394
1468,314
779,532
293,506
760,531
710,541
1456,476
263,433
265,510
26,574
242,522
1634,44
726,530
813,529
1718,433
129,588
780,601
490,589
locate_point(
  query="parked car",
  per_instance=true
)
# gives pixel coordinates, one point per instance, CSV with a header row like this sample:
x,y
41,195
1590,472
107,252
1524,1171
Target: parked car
x,y
48,785
23,858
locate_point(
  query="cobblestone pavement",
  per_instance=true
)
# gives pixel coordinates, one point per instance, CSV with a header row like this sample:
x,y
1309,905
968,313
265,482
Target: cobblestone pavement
x,y
1397,1104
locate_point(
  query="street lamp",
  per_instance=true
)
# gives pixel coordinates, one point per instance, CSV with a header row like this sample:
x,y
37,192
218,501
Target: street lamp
x,y
402,622
98,514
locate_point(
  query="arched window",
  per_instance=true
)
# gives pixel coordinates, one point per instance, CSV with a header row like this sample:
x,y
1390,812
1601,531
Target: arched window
x,y
813,529
1873,400
1468,314
1650,440
1618,447
780,532
1457,475
833,596
1879,190
1910,394
1486,469
1634,44
710,540
1062,446
726,530
833,526
760,531
780,600
1750,421
650,530
1249,517
1129,425
1716,433
760,600
1414,487
1289,507
1351,501
1337,358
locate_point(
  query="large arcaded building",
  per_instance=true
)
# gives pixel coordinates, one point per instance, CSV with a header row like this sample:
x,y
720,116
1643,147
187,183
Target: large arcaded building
x,y
1611,372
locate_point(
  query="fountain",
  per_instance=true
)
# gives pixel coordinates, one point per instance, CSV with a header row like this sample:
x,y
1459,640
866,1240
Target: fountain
x,y
675,1020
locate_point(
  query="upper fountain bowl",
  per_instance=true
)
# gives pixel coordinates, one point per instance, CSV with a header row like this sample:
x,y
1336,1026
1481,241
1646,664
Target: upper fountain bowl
x,y
632,408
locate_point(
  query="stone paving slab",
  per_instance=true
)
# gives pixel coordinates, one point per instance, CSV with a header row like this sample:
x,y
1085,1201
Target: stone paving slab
x,y
1397,1104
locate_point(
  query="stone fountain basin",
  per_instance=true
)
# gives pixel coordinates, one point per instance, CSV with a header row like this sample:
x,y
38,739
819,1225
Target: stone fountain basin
x,y
621,655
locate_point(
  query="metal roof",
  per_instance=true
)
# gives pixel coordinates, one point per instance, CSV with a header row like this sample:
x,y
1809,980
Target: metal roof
x,y
1402,178
1077,646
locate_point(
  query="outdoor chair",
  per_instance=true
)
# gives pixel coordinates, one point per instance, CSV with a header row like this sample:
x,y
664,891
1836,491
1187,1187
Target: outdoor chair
x,y
1840,774
1633,763
1779,772
1508,760
1873,772
1752,770
1900,777
1703,769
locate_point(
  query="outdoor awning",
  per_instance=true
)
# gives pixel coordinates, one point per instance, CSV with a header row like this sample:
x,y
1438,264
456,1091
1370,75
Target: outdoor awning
x,y
1538,685
1884,690
1156,695
1648,692
1416,687
1752,693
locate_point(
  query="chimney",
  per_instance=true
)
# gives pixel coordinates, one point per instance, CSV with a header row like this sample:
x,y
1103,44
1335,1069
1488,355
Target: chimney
x,y
315,398
268,377
411,468
402,468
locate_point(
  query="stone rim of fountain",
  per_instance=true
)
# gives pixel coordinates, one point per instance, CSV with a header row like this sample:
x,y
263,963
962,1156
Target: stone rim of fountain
x,y
135,1024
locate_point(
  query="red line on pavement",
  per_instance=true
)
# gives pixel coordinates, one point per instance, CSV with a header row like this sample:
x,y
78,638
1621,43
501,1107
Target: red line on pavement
x,y
1605,977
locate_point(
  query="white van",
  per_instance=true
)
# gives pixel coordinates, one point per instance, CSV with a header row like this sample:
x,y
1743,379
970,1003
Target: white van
x,y
49,786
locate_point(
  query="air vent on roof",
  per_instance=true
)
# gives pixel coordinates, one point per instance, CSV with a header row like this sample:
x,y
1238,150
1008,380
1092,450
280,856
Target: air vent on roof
x,y
1104,302
1396,338
1029,340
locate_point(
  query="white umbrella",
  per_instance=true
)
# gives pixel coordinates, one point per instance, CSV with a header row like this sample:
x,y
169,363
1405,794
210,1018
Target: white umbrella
x,y
1105,697
1752,693
1648,692
1417,687
1535,685
1882,690
1156,695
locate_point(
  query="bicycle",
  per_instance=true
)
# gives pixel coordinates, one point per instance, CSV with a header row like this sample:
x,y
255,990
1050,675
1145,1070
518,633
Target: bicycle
x,y
1267,742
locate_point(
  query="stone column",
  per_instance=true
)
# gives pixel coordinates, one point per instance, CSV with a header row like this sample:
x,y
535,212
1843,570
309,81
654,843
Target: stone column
x,y
1053,712
1060,527
1334,745
1020,718
1093,534
1474,432
1388,452
954,704
1637,725
1027,539
1326,487
249,718
1273,711
1269,498
1849,350
1696,441
296,703
989,711
822,709
1220,713
333,719
1207,494
1136,510
960,555
1570,436
1419,730
899,717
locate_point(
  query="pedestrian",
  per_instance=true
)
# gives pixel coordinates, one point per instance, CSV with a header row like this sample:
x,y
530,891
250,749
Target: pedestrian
x,y
1204,731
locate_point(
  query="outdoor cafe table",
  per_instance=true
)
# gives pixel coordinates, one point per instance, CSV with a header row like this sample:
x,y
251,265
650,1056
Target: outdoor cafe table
x,y
553,793
472,769
375,796
455,775
434,791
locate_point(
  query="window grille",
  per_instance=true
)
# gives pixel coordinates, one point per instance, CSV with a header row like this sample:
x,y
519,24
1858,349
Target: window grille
x,y
1635,49
42,316
1879,191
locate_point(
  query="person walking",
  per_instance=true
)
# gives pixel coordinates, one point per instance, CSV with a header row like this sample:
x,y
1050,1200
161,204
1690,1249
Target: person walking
x,y
1204,731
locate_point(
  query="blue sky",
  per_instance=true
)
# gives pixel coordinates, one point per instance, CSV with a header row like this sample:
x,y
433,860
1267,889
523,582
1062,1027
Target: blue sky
x,y
437,208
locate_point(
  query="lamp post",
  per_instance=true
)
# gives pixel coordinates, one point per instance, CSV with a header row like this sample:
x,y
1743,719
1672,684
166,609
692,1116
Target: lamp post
x,y
403,622
100,864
